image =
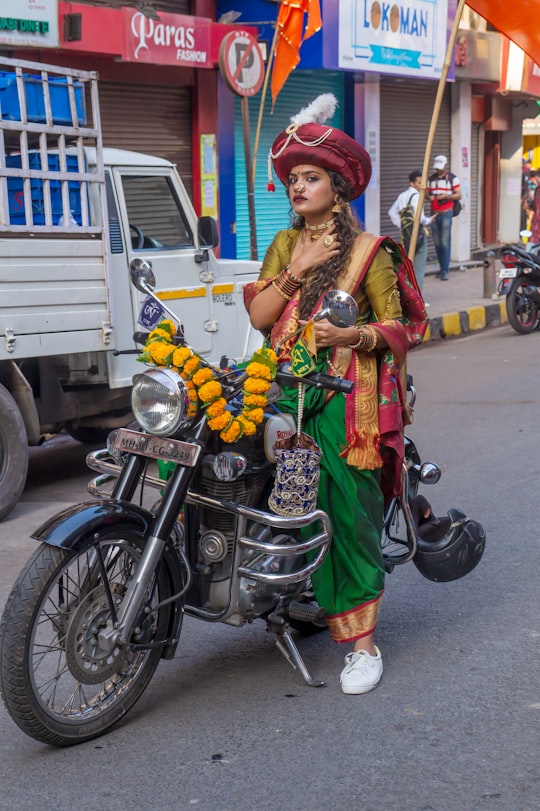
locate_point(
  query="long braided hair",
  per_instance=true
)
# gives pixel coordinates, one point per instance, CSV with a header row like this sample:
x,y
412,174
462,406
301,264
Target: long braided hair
x,y
322,277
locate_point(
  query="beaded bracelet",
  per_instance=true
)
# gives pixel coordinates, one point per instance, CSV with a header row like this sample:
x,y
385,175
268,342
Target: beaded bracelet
x,y
367,339
293,278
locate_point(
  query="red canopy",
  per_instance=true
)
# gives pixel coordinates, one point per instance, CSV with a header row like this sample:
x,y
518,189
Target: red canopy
x,y
519,20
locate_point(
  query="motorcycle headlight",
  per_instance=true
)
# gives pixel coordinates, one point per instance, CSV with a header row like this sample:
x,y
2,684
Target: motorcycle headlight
x,y
160,401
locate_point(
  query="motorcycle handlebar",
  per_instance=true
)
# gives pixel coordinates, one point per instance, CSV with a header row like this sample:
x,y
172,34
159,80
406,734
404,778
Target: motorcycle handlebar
x,y
317,380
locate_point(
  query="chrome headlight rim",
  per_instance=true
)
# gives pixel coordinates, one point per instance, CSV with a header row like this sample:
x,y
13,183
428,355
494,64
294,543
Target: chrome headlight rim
x,y
161,381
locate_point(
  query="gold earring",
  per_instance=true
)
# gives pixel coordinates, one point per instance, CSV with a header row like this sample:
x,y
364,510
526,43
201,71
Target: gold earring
x,y
336,208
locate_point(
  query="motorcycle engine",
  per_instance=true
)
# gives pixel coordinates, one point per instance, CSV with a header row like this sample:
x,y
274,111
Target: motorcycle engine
x,y
216,543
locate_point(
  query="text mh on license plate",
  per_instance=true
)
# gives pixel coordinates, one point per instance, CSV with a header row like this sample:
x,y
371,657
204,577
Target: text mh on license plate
x,y
184,453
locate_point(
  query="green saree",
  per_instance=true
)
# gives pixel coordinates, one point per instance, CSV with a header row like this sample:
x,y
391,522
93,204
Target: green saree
x,y
350,582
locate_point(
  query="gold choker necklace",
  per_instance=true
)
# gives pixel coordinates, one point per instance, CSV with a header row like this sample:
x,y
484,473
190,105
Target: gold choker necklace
x,y
309,236
320,227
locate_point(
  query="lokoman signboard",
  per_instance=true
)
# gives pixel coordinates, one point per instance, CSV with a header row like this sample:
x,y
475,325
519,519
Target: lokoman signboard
x,y
399,37
29,23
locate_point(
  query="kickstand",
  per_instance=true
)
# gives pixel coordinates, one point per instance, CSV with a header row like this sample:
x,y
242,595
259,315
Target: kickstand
x,y
286,645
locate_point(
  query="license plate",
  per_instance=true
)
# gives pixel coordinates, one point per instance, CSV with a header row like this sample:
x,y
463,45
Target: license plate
x,y
508,273
173,450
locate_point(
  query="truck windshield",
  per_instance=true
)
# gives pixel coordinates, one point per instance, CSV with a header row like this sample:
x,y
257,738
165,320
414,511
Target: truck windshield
x,y
155,217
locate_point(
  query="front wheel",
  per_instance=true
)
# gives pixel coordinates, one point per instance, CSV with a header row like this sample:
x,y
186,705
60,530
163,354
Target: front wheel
x,y
60,683
523,313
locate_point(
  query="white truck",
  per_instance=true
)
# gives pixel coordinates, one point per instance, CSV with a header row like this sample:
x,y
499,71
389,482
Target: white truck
x,y
73,215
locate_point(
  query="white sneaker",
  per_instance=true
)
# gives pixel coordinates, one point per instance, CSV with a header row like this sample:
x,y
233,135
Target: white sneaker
x,y
362,672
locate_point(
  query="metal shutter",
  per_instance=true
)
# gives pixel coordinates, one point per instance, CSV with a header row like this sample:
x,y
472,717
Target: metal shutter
x,y
173,6
406,110
151,119
474,195
272,210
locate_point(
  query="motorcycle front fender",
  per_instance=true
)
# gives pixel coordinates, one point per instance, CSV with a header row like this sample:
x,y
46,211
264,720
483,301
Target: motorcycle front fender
x,y
73,528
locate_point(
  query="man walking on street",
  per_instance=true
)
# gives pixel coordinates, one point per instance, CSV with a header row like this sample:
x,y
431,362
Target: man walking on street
x,y
402,214
443,190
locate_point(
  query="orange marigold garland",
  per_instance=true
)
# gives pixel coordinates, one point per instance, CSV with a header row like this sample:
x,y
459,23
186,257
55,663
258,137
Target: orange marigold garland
x,y
203,385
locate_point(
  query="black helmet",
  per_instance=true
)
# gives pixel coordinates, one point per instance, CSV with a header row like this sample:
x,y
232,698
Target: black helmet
x,y
453,554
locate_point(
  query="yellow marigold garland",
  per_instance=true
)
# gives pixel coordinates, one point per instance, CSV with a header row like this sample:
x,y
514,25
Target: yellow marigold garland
x,y
203,386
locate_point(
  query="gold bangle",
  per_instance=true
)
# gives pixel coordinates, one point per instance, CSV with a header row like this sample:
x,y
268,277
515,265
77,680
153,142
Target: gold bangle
x,y
283,284
371,340
280,291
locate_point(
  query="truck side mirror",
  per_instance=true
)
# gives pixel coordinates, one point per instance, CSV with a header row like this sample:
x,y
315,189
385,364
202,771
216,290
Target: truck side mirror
x,y
207,231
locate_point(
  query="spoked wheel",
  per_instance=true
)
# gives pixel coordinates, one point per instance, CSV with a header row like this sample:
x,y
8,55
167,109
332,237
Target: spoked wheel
x,y
61,681
523,313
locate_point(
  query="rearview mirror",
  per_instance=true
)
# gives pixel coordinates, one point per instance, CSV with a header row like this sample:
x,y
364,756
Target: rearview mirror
x,y
207,231
142,275
339,308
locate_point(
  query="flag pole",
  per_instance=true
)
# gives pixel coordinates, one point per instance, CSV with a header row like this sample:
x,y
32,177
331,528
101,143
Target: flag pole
x,y
433,126
263,97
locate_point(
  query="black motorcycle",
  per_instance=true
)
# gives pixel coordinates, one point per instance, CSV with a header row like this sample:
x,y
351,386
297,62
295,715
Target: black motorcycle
x,y
519,281
102,599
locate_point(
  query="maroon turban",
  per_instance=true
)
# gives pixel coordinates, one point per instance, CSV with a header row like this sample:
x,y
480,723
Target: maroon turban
x,y
326,147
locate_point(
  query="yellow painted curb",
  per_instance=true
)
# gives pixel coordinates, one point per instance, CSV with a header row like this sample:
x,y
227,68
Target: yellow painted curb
x,y
477,317
451,324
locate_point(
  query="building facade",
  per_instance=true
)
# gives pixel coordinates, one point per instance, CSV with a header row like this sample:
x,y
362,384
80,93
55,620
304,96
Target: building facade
x,y
162,92
385,75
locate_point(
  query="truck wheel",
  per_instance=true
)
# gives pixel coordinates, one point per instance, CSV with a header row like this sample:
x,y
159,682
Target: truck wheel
x,y
13,453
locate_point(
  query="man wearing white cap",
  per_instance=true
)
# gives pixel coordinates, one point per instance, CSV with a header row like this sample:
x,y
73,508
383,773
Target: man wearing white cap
x,y
443,190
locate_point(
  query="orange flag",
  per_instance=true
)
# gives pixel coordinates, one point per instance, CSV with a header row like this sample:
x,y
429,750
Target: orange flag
x,y
291,34
518,20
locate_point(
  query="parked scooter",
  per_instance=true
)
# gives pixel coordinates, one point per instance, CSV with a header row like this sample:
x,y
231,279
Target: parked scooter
x,y
104,595
519,281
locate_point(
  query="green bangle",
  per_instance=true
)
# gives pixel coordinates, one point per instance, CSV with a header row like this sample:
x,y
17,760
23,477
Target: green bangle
x,y
292,277
361,339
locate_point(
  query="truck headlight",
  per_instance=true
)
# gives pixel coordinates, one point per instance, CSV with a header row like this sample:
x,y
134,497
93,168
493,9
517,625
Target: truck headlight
x,y
159,402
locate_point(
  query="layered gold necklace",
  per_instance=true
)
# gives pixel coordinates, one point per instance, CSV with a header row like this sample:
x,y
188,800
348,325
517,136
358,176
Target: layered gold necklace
x,y
314,232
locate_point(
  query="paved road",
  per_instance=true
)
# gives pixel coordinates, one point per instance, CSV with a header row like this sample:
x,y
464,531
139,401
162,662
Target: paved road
x,y
453,726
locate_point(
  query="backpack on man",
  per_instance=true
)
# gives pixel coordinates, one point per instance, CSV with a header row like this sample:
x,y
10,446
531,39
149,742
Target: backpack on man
x,y
406,218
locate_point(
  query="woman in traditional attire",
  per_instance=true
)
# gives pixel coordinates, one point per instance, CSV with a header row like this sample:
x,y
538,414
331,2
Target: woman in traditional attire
x,y
323,169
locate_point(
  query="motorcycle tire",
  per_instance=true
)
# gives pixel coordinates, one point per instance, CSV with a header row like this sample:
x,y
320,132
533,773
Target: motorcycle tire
x,y
523,313
57,684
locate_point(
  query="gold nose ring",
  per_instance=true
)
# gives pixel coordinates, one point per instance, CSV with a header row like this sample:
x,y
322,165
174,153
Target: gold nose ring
x,y
300,187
